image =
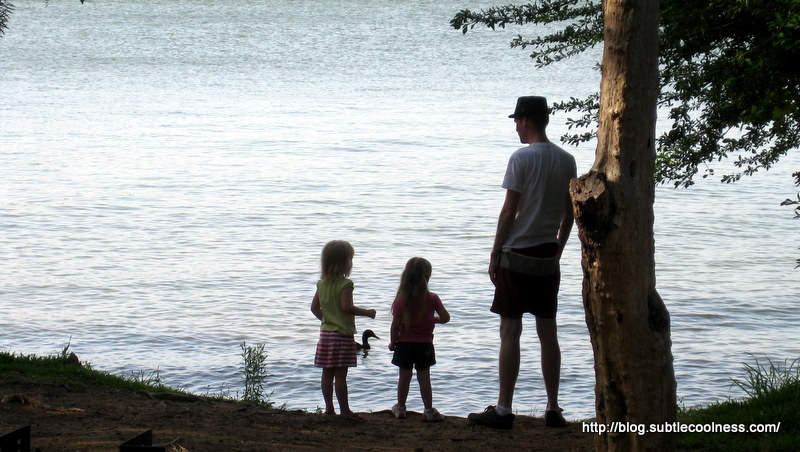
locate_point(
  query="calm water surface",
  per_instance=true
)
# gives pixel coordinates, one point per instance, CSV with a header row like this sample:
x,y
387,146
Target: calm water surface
x,y
171,170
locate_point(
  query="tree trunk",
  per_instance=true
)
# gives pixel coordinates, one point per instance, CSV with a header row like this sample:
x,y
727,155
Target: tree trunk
x,y
628,323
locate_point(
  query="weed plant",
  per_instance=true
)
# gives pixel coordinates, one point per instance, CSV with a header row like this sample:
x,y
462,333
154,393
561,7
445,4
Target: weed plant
x,y
254,375
774,397
763,379
148,379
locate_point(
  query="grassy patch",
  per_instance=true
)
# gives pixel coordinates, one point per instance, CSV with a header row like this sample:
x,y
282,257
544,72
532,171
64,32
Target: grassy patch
x,y
774,397
17,368
65,369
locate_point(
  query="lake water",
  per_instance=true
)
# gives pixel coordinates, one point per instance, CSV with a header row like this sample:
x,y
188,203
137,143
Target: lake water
x,y
171,170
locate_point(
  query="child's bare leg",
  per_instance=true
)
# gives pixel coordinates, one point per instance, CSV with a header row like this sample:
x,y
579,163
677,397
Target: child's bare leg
x,y
327,389
424,380
341,390
403,384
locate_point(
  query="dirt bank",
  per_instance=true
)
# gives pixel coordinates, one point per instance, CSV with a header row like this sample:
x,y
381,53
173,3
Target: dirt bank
x,y
73,419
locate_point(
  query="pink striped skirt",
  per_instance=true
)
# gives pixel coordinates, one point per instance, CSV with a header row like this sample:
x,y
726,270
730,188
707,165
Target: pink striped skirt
x,y
335,350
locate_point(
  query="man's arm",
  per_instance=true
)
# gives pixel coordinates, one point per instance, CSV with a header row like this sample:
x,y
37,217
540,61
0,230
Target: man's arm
x,y
508,214
566,225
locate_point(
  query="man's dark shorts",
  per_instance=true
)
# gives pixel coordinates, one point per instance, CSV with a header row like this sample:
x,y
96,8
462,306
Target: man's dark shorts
x,y
407,355
518,293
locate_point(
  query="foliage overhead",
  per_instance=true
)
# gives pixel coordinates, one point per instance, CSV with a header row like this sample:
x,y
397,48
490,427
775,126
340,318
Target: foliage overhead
x,y
728,77
5,13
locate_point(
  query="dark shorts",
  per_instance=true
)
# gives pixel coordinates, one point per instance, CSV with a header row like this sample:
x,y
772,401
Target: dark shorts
x,y
518,293
407,355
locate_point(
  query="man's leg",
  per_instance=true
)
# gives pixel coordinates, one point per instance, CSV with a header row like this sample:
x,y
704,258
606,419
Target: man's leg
x,y
547,331
510,332
500,416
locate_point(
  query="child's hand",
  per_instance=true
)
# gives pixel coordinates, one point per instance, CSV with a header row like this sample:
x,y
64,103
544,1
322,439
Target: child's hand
x,y
391,346
371,313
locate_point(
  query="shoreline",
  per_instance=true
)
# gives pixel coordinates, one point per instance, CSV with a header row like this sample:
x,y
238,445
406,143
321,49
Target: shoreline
x,y
100,419
70,406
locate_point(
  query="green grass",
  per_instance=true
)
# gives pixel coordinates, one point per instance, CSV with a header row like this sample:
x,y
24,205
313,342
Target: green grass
x,y
16,368
774,397
26,369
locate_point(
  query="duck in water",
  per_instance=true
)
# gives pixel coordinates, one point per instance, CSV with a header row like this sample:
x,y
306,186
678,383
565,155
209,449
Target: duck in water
x,y
364,345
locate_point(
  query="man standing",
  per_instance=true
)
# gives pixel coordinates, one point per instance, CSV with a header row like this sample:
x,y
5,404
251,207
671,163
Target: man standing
x,y
533,227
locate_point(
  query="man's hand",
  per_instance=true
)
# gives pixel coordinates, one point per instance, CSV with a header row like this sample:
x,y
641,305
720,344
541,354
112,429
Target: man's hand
x,y
494,264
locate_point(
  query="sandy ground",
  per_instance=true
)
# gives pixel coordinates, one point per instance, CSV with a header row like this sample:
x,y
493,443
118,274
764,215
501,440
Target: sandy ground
x,y
75,419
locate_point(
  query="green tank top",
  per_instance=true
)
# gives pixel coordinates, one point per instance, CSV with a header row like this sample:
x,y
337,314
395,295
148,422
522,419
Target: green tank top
x,y
333,319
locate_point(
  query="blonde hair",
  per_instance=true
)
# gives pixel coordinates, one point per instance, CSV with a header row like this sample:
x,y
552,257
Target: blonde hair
x,y
414,288
336,260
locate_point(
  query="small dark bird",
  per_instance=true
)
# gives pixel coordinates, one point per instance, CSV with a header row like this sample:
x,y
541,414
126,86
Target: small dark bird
x,y
364,345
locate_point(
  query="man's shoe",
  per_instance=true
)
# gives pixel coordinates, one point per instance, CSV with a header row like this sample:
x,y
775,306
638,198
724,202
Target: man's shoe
x,y
553,418
490,418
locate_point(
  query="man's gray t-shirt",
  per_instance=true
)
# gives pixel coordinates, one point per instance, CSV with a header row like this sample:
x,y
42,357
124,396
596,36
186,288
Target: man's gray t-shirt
x,y
541,173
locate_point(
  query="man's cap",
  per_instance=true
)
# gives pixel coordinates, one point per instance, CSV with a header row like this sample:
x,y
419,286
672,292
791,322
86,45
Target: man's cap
x,y
530,106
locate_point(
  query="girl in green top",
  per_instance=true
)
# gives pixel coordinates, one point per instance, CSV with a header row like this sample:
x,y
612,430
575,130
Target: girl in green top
x,y
333,305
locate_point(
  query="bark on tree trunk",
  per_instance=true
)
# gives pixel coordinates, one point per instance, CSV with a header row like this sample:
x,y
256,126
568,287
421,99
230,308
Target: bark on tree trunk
x,y
628,323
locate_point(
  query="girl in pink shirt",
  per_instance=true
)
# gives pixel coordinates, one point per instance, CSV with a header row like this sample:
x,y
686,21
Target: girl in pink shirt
x,y
415,312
